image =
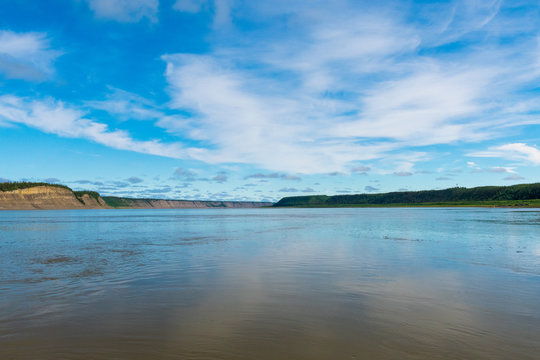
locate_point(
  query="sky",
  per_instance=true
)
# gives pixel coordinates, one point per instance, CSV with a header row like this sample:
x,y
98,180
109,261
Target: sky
x,y
257,100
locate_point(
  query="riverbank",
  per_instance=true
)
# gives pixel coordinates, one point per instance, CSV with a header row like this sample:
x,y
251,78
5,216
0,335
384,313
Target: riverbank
x,y
522,195
486,204
42,196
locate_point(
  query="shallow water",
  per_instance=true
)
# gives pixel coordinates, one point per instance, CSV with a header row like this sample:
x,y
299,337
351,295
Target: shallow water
x,y
270,284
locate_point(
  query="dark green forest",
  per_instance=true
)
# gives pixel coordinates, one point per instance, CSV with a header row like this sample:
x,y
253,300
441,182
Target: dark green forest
x,y
453,196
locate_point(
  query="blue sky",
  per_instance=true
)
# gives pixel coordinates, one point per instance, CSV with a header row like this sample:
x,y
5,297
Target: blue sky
x,y
238,100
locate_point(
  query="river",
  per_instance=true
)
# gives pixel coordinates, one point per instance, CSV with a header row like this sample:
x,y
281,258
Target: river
x,y
392,283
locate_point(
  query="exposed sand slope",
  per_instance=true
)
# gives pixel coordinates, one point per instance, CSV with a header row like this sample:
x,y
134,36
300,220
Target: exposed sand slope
x,y
47,197
186,204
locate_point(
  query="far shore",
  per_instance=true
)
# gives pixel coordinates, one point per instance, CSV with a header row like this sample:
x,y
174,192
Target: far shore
x,y
535,203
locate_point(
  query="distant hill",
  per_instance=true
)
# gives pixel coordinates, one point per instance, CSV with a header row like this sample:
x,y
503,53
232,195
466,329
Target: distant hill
x,y
515,195
29,196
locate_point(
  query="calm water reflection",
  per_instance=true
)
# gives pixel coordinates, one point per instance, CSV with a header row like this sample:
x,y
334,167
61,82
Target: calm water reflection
x,y
270,284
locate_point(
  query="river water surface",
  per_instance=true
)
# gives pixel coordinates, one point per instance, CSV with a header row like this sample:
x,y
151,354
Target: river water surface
x,y
270,284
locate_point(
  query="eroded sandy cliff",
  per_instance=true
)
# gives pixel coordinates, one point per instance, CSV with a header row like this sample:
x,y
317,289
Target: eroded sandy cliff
x,y
56,197
181,204
47,197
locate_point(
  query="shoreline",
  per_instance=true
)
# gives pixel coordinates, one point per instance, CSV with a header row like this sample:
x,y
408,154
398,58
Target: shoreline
x,y
533,205
411,206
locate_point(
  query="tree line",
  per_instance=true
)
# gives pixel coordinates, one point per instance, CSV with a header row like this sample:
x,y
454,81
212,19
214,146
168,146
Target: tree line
x,y
456,194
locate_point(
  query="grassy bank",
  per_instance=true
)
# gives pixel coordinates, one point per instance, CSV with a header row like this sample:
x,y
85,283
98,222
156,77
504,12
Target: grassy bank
x,y
116,202
80,194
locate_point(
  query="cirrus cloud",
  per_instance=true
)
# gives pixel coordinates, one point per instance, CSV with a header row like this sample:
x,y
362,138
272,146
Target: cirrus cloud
x,y
54,117
514,151
26,56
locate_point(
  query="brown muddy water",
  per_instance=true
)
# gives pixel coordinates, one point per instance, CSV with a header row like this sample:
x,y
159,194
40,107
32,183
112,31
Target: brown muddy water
x,y
270,284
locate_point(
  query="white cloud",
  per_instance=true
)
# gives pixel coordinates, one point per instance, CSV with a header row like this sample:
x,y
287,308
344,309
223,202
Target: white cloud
x,y
343,86
423,109
475,168
190,6
222,12
370,188
54,117
403,173
273,176
124,106
317,88
494,169
125,10
361,169
245,126
127,106
221,9
501,169
26,55
515,151
450,21
522,151
514,177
